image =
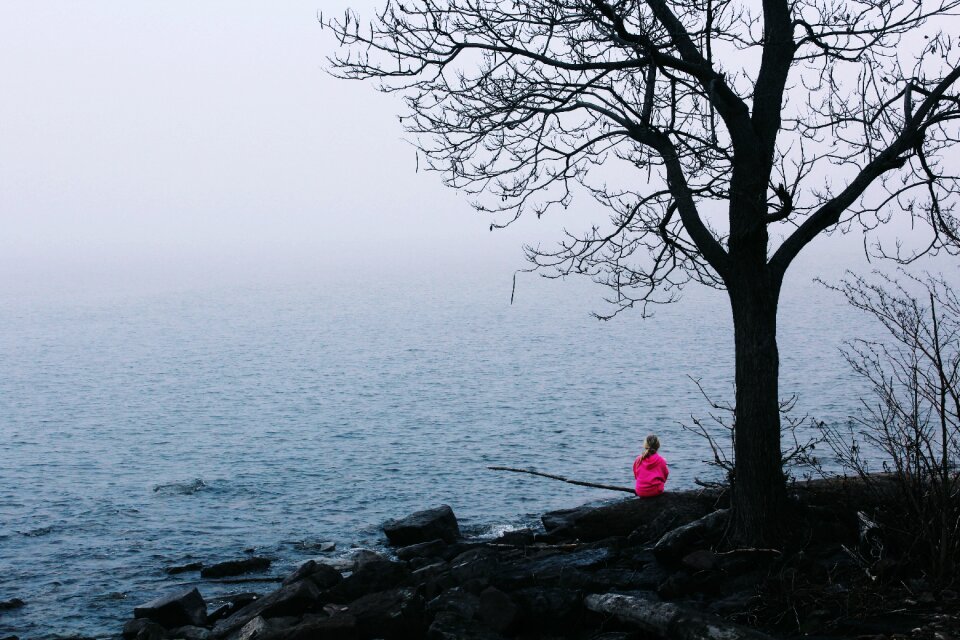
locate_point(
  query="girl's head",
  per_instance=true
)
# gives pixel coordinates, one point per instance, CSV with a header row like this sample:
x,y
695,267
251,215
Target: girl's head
x,y
650,445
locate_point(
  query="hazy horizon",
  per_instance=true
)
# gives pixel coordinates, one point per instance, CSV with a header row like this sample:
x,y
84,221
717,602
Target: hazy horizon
x,y
156,146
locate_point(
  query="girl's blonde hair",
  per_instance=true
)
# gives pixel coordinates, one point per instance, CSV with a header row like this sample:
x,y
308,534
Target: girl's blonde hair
x,y
650,445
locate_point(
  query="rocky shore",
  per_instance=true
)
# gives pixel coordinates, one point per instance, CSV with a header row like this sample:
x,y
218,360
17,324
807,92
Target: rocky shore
x,y
632,569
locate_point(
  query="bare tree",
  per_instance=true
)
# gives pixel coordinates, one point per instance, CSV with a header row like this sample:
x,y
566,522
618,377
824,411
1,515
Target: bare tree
x,y
914,419
719,137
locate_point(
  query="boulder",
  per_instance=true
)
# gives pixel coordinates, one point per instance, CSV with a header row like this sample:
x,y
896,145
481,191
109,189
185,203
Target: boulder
x,y
423,526
433,578
132,628
669,620
322,575
621,518
293,599
175,610
235,567
516,538
338,627
189,633
476,565
552,567
150,631
253,629
376,575
397,613
677,543
232,604
497,610
429,549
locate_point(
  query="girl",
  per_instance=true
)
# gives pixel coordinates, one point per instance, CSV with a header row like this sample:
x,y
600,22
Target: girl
x,y
649,469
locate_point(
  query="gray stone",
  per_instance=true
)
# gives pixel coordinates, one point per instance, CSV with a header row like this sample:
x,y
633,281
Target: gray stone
x,y
189,633
396,613
293,599
553,567
338,627
675,544
430,549
322,575
423,526
621,518
376,575
132,628
175,610
253,629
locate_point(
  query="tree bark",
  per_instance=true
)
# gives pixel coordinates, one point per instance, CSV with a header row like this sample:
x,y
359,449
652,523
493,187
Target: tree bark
x,y
758,486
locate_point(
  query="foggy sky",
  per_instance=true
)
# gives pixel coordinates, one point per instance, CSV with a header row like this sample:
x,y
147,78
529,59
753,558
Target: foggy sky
x,y
181,136
192,139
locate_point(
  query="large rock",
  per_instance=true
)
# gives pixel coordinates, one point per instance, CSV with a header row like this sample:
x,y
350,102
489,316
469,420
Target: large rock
x,y
178,609
235,567
675,544
397,613
621,518
433,579
338,627
376,575
669,620
423,526
189,633
292,600
430,549
551,568
253,629
322,575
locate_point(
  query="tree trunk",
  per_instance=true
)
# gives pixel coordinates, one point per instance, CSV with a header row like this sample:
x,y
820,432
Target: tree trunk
x,y
758,492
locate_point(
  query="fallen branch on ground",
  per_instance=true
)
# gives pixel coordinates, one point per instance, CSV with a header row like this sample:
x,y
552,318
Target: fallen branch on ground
x,y
581,483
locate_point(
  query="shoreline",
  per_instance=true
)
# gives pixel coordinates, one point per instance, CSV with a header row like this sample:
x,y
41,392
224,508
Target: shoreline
x,y
608,571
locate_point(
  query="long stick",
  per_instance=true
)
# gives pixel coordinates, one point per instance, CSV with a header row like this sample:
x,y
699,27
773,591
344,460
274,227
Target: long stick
x,y
562,479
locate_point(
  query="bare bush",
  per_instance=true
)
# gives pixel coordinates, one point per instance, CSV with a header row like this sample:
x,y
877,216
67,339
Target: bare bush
x,y
800,437
913,420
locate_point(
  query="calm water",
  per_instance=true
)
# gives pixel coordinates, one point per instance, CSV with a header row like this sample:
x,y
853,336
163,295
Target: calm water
x,y
314,413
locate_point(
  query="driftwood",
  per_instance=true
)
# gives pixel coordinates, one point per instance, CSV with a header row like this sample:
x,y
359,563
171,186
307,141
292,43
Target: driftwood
x,y
581,483
668,620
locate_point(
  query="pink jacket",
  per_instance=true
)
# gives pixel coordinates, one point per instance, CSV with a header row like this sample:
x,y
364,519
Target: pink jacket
x,y
651,474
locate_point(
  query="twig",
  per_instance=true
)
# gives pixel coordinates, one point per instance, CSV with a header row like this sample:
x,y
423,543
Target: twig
x,y
562,479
